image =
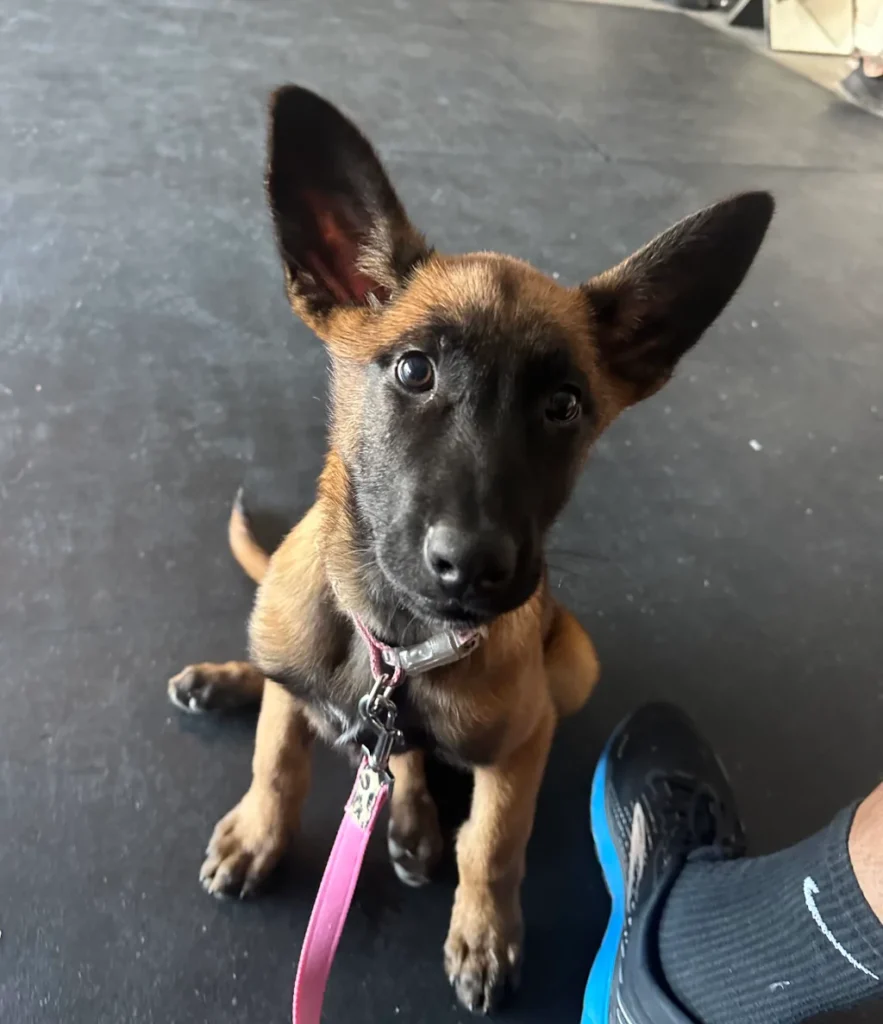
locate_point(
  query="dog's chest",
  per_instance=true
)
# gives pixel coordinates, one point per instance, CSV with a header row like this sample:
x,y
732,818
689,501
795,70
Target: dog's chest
x,y
346,728
332,691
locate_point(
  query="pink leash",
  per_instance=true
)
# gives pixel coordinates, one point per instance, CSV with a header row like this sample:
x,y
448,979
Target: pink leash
x,y
332,904
370,793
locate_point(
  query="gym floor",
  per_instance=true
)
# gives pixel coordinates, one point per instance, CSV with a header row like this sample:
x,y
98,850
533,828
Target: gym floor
x,y
724,546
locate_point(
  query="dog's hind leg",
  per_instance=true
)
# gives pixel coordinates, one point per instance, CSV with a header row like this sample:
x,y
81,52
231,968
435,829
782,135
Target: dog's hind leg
x,y
414,837
571,662
216,687
248,842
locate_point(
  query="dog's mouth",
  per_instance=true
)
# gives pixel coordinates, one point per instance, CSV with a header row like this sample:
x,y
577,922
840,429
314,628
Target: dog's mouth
x,y
441,613
452,613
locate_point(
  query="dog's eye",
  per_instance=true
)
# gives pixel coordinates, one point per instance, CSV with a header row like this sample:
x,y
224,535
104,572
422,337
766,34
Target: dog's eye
x,y
415,372
564,406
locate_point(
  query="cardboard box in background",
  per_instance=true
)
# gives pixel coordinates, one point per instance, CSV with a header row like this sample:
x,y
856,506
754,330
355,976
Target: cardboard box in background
x,y
814,26
868,29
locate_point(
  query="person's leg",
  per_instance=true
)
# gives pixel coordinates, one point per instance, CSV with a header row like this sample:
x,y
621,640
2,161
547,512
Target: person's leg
x,y
866,850
779,939
698,934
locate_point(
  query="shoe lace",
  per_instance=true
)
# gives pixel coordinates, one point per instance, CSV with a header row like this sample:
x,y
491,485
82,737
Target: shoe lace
x,y
688,813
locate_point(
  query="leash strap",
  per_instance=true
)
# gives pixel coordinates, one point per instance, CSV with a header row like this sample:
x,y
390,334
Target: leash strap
x,y
332,905
389,669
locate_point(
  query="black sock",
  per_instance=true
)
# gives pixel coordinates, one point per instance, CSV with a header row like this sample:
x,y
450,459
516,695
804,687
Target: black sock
x,y
772,940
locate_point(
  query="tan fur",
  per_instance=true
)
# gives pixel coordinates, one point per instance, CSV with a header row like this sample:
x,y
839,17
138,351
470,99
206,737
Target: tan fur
x,y
415,840
571,662
363,278
483,946
246,550
498,707
502,702
247,843
208,686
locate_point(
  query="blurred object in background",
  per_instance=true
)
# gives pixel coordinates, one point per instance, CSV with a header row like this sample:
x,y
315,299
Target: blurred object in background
x,y
864,86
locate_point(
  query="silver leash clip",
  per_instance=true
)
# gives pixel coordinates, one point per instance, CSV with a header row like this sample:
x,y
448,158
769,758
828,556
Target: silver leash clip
x,y
378,710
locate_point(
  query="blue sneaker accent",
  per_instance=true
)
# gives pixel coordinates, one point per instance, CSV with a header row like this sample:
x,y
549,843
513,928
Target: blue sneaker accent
x,y
658,794
597,998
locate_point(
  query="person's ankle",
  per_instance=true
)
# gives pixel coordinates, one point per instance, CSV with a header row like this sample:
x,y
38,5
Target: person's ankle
x,y
872,67
866,849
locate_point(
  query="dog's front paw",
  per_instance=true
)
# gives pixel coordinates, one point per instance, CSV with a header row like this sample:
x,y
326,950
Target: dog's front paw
x,y
483,948
245,846
414,838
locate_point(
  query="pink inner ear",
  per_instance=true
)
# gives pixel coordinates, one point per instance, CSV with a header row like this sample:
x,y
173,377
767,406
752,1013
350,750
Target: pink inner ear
x,y
334,259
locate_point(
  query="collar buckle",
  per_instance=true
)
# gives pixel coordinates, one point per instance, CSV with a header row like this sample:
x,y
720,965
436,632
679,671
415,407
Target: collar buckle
x,y
390,666
443,648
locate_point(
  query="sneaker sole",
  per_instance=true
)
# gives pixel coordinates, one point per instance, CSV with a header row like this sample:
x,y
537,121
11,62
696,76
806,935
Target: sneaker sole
x,y
856,102
596,1003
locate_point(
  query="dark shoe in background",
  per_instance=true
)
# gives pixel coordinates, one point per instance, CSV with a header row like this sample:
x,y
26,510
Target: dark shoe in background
x,y
864,91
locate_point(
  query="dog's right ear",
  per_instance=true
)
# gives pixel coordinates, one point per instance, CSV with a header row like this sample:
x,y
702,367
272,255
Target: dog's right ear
x,y
344,237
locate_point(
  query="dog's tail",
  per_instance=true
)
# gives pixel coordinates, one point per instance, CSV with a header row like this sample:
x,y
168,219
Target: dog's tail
x,y
246,550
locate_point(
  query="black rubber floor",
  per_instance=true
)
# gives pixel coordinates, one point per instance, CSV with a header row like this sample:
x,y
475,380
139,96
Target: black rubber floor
x,y
724,547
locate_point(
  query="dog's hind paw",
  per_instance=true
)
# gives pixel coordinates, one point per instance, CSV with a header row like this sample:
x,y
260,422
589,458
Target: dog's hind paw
x,y
209,687
414,839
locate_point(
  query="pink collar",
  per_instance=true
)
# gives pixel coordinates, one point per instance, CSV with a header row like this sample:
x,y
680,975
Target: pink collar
x,y
441,649
390,667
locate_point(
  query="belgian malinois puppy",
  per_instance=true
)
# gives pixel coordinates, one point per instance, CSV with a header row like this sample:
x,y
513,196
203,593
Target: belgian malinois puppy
x,y
466,394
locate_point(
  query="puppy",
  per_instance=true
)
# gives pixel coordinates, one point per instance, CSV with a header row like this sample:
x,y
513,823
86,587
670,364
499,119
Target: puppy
x,y
466,394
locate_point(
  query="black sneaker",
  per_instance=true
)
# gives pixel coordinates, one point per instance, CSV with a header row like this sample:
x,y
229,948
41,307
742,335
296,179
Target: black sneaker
x,y
864,91
659,794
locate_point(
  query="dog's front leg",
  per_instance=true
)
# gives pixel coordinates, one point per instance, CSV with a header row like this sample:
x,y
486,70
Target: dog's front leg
x,y
248,842
483,948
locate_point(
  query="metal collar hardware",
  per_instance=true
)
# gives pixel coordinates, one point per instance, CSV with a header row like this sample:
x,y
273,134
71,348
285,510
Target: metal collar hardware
x,y
390,667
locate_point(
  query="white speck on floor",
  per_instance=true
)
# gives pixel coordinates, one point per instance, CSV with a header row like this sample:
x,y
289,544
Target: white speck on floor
x,y
555,274
756,445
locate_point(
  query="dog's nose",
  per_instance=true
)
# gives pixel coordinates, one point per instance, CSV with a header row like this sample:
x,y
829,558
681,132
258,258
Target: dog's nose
x,y
462,560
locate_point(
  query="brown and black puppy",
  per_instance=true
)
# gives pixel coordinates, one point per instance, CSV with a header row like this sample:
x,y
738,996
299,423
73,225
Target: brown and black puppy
x,y
467,391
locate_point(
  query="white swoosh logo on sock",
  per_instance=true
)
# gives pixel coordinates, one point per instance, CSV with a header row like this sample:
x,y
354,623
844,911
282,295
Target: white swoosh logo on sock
x,y
810,891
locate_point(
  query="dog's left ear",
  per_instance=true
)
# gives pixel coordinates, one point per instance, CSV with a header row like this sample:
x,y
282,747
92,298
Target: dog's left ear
x,y
656,305
343,235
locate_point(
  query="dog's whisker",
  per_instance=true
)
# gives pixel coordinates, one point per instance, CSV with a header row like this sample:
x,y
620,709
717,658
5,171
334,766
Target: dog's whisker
x,y
588,556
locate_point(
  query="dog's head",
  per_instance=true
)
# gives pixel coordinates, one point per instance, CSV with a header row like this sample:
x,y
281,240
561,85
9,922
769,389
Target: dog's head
x,y
467,390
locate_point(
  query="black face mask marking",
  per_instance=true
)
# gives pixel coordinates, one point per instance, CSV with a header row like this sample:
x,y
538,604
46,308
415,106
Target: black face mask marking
x,y
456,483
